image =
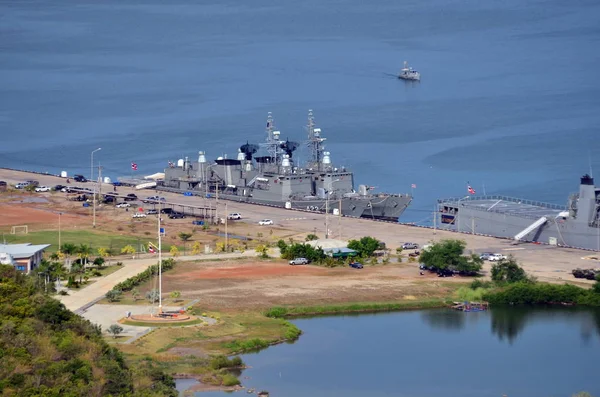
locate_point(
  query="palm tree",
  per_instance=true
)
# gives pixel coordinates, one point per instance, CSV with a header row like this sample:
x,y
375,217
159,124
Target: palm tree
x,y
68,249
79,269
84,252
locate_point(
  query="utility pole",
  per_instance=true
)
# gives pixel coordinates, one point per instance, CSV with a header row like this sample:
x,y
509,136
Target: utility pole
x,y
217,202
226,239
340,218
59,216
327,216
96,196
472,225
159,260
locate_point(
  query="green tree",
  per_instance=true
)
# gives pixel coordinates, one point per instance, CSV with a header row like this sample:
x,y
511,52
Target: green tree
x,y
196,248
68,250
596,286
78,269
185,237
175,295
128,250
135,294
153,296
508,271
311,237
448,254
115,330
263,251
365,246
84,251
113,295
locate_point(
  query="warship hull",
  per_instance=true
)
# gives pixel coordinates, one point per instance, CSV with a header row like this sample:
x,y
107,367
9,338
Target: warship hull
x,y
388,208
575,225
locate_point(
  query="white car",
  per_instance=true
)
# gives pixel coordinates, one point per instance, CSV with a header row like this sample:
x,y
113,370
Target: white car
x,y
235,215
139,215
42,189
265,222
496,257
123,205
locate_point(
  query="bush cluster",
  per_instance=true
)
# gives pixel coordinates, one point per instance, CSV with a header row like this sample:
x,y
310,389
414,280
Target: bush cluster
x,y
146,275
527,293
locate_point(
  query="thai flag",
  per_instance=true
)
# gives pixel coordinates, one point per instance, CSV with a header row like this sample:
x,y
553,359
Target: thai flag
x,y
134,166
151,250
413,186
470,189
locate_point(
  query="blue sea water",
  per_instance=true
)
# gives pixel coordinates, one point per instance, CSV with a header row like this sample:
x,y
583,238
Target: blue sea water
x,y
508,101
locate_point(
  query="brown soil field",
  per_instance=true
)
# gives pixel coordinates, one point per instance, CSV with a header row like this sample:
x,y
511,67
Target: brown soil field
x,y
255,284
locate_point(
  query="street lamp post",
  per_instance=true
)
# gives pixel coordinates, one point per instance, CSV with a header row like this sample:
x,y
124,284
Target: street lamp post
x,y
59,216
92,180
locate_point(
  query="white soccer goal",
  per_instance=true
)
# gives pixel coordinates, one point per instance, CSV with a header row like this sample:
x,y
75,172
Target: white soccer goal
x,y
19,229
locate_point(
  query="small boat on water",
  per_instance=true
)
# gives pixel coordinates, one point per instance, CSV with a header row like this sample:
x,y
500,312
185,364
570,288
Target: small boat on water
x,y
471,306
408,73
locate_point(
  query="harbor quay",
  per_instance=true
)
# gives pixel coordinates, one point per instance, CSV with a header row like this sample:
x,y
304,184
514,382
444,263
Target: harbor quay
x,y
545,262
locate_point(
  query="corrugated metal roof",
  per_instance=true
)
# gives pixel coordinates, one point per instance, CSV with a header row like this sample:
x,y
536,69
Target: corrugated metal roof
x,y
19,251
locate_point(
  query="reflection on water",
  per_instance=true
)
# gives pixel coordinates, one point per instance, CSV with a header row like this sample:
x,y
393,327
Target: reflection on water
x,y
508,322
513,351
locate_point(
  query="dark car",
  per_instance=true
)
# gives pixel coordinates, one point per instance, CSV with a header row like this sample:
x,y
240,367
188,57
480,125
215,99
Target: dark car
x,y
130,197
356,265
166,211
109,199
176,215
80,178
58,187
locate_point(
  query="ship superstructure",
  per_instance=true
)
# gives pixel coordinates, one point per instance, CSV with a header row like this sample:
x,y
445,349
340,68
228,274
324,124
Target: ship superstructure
x,y
575,225
275,177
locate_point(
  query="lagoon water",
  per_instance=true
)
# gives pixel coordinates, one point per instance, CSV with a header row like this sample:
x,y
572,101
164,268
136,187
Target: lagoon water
x,y
434,353
508,100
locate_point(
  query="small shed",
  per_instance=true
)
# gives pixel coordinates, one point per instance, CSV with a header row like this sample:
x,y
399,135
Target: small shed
x,y
340,252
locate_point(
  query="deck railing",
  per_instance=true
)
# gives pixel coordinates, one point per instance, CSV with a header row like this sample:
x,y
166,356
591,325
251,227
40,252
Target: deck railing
x,y
466,200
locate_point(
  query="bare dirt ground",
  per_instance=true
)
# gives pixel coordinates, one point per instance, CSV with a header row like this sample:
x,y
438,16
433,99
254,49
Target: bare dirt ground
x,y
255,284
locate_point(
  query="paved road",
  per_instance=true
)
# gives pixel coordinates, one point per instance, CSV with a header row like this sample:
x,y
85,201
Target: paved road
x,y
93,292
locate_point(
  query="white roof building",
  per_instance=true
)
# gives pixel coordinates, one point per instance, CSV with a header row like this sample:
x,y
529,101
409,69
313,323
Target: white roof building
x,y
24,257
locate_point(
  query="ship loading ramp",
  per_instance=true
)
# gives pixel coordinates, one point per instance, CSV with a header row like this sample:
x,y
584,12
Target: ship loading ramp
x,y
531,228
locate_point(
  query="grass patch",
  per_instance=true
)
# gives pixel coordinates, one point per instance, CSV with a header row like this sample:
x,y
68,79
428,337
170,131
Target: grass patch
x,y
94,239
299,311
159,325
469,294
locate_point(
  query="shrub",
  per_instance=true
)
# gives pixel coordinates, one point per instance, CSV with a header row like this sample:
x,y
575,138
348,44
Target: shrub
x,y
508,271
130,283
113,295
153,296
221,361
479,283
247,345
230,380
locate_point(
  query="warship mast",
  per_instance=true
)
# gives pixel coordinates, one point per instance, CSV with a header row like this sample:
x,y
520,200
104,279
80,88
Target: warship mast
x,y
273,142
315,143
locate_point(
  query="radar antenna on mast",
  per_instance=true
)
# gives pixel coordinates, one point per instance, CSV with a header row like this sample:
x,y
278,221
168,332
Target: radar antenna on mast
x,y
315,143
273,142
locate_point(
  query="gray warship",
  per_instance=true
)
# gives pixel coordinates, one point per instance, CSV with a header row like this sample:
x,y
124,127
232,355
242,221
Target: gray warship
x,y
576,225
276,178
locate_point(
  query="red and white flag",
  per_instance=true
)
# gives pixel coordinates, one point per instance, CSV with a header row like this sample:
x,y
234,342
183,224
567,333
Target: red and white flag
x,y
134,166
413,186
470,189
